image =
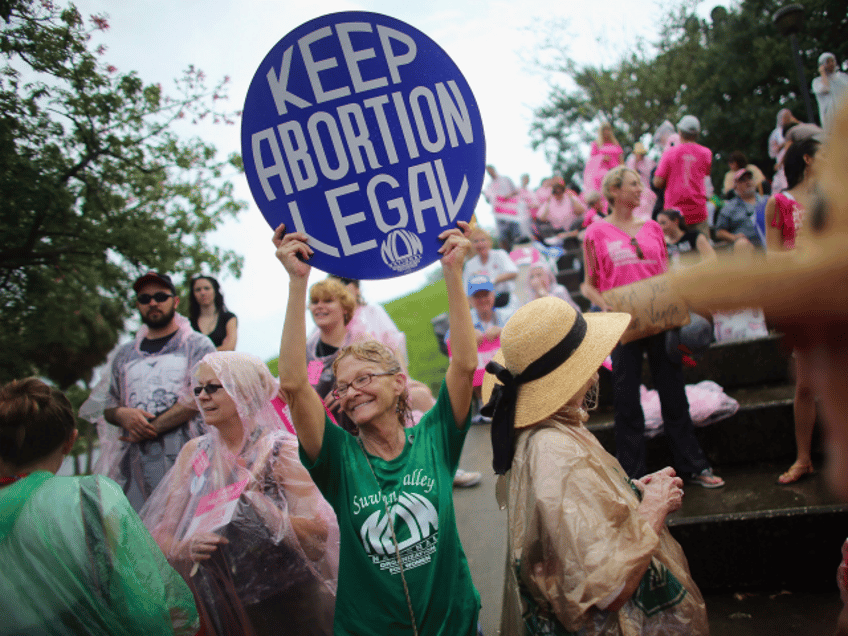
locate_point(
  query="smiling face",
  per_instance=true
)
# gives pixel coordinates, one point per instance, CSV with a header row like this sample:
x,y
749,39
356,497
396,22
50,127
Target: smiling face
x,y
203,292
218,409
481,244
629,193
668,226
327,312
376,400
484,303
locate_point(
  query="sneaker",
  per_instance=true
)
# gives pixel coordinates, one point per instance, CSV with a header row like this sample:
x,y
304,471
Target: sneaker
x,y
466,479
481,419
706,479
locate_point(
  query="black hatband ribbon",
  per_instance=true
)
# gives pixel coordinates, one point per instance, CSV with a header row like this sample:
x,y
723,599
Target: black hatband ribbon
x,y
501,404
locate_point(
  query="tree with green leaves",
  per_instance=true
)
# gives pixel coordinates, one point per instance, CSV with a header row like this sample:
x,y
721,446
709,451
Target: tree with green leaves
x,y
96,187
733,71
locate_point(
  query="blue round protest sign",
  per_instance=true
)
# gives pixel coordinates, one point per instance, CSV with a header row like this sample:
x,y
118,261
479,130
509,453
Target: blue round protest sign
x,y
361,132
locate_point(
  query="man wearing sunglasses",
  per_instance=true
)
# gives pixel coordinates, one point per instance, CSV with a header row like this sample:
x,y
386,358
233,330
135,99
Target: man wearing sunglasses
x,y
149,395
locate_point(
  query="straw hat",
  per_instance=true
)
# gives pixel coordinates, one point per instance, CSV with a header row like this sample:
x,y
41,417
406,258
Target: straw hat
x,y
639,148
533,331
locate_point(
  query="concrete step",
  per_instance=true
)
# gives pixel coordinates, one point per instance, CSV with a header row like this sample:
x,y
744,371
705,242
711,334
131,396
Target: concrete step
x,y
773,611
740,363
731,364
757,534
761,430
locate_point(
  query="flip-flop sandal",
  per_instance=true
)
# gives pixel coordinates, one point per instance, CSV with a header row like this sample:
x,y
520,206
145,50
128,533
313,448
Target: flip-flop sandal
x,y
795,473
706,479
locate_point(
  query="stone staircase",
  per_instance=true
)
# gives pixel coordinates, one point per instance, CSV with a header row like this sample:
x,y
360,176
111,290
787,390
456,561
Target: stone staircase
x,y
753,534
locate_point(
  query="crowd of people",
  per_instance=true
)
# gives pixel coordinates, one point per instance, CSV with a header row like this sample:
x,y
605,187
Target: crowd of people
x,y
322,502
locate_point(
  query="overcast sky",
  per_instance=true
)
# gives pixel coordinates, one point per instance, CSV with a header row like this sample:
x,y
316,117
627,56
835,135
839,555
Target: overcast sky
x,y
490,42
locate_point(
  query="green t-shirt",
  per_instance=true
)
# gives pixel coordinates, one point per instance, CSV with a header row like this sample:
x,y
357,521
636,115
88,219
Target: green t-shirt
x,y
418,488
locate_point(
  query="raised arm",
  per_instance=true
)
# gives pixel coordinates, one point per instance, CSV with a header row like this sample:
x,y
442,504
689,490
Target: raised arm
x,y
306,406
460,374
576,204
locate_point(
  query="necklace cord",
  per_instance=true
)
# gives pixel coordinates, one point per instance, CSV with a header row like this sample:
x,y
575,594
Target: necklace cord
x,y
394,539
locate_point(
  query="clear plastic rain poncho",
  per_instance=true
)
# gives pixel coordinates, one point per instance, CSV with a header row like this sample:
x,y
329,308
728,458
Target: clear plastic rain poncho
x,y
574,535
277,575
130,379
77,560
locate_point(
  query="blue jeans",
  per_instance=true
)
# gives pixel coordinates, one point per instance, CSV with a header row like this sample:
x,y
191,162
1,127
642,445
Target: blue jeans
x,y
630,419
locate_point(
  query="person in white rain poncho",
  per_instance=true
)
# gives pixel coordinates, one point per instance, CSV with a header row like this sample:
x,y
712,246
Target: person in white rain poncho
x,y
239,516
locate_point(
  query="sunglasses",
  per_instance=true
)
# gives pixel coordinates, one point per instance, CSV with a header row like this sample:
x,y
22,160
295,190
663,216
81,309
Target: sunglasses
x,y
209,388
159,297
638,248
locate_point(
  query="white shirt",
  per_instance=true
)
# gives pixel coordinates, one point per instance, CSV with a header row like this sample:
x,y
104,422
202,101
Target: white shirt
x,y
499,263
829,99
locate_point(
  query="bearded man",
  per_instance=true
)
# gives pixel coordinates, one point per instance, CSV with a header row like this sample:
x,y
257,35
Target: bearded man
x,y
150,391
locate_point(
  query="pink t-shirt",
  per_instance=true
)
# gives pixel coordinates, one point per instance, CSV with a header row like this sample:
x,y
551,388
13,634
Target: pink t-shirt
x,y
615,260
503,195
560,212
612,154
789,217
684,167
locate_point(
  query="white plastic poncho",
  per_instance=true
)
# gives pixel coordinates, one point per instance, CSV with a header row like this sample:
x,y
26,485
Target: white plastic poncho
x,y
575,533
277,575
153,382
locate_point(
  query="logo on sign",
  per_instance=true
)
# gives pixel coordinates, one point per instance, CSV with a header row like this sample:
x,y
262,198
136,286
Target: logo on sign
x,y
359,131
402,251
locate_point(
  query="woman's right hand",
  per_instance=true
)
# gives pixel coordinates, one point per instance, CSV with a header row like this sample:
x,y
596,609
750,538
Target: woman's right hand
x,y
290,247
662,494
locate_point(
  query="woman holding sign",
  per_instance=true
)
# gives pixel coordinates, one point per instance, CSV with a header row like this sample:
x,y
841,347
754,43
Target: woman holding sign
x,y
620,250
402,566
240,518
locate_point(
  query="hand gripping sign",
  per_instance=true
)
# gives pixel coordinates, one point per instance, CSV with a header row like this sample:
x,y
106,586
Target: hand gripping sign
x,y
361,132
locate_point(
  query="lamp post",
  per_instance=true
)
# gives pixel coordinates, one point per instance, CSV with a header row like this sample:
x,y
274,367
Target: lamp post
x,y
788,21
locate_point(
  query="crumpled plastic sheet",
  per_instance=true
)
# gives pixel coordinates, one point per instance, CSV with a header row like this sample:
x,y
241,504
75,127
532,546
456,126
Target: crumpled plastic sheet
x,y
708,404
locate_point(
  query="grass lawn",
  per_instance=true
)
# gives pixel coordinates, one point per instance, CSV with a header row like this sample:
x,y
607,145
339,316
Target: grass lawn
x,y
412,314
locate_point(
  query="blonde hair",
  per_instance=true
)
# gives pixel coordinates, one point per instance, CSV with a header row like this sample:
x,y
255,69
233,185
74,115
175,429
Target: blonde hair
x,y
381,355
614,179
606,126
332,288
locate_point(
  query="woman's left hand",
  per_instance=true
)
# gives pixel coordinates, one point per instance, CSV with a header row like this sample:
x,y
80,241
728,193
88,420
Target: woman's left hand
x,y
200,546
456,246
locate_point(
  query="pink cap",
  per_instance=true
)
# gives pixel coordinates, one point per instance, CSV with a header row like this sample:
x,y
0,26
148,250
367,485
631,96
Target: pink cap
x,y
739,173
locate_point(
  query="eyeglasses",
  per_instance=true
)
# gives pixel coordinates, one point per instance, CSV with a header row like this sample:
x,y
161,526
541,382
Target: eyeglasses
x,y
159,297
638,248
358,383
209,388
